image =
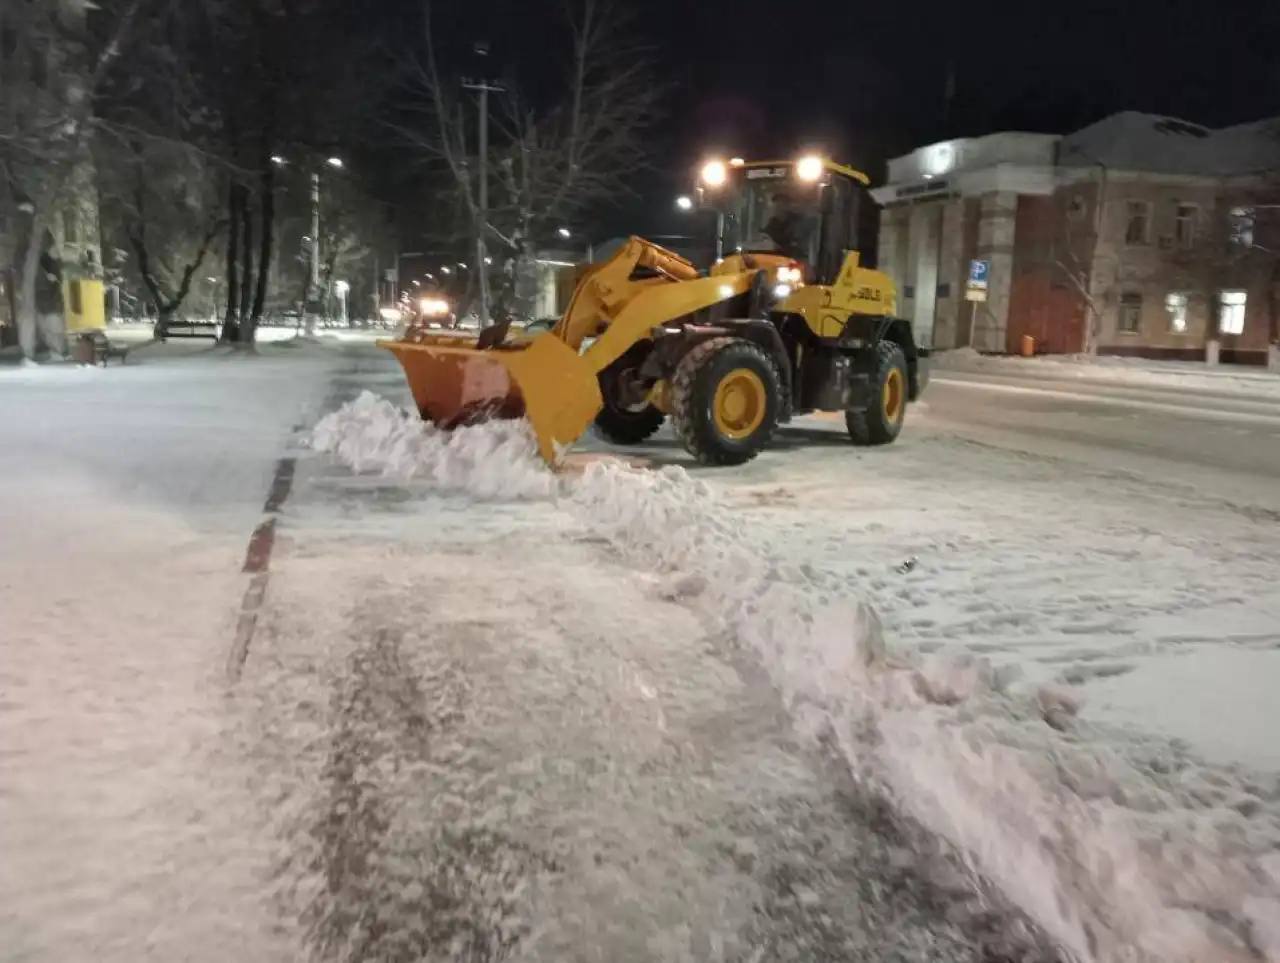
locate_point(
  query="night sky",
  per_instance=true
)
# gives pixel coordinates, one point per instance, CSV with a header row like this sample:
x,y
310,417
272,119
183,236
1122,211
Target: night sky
x,y
867,81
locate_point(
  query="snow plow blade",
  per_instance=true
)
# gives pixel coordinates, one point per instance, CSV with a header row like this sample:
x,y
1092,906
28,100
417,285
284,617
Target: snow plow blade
x,y
456,382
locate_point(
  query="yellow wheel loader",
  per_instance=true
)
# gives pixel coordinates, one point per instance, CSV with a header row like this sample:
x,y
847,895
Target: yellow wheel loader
x,y
785,323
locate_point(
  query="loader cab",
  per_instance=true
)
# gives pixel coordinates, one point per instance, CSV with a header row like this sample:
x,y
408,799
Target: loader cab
x,y
804,210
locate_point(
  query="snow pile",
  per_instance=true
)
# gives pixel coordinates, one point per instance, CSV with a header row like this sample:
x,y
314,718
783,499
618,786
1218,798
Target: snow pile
x,y
1101,854
492,462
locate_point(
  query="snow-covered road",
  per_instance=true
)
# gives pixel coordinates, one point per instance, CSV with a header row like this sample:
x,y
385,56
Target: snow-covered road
x,y
623,717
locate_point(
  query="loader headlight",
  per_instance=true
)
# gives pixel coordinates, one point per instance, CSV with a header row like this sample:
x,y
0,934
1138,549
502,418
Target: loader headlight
x,y
434,307
809,168
726,290
788,275
781,291
714,173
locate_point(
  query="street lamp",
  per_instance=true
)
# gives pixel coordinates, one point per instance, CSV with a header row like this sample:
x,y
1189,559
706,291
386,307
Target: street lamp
x,y
564,232
445,269
277,160
335,162
684,202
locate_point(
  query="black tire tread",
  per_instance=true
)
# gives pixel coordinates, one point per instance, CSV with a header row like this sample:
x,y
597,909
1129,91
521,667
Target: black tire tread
x,y
633,430
868,427
619,426
683,400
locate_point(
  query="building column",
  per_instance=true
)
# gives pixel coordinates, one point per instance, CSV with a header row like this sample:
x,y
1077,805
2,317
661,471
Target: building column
x,y
996,232
951,275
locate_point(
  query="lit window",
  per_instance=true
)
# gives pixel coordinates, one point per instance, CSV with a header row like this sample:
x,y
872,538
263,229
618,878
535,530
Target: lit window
x,y
1130,313
1184,233
1175,305
1241,226
1137,228
1231,311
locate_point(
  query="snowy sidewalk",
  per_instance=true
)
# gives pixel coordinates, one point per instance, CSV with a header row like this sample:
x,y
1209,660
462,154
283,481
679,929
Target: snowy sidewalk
x,y
1139,372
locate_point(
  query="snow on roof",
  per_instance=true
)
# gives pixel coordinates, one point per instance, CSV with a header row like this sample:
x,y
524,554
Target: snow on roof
x,y
1135,141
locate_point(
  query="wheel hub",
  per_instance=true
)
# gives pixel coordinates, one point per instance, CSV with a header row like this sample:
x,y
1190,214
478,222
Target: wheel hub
x,y
892,395
739,404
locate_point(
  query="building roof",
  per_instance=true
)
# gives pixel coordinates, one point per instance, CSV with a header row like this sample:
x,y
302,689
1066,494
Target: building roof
x,y
1154,143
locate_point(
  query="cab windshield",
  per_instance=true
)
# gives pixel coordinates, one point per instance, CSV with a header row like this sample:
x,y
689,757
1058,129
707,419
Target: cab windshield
x,y
774,215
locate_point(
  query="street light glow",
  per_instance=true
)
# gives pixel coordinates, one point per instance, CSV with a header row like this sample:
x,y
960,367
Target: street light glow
x,y
335,162
488,260
684,202
416,283
563,232
446,270
277,159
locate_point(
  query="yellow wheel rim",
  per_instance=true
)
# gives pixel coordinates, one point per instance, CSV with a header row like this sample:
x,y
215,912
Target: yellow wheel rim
x,y
892,395
739,405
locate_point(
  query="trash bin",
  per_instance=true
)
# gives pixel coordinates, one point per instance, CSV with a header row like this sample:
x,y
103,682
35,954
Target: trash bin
x,y
1028,346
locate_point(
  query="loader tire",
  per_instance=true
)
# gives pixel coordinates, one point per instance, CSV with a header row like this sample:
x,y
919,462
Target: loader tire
x,y
618,422
881,422
725,401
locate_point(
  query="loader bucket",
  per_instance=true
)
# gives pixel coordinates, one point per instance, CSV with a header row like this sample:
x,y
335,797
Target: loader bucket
x,y
454,382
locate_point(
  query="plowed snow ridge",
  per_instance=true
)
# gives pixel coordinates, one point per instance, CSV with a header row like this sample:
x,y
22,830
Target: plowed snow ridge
x,y
1109,855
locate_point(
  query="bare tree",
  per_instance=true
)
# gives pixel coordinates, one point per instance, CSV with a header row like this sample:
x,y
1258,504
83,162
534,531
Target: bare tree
x,y
552,160
51,68
159,176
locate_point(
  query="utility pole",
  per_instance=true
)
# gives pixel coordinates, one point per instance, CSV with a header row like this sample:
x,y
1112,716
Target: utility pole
x,y
483,86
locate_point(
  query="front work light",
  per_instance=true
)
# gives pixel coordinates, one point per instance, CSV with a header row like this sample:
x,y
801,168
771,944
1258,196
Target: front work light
x,y
714,173
809,168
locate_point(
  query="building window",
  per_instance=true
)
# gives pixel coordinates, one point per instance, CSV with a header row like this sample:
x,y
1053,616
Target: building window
x,y
1137,228
1130,313
1231,306
1184,231
1241,226
1175,305
72,226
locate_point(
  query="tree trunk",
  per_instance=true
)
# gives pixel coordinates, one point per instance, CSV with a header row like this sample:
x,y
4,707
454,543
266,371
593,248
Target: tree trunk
x,y
246,272
268,242
27,322
230,323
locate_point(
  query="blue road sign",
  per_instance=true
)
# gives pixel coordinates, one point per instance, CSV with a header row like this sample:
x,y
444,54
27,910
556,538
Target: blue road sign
x,y
978,271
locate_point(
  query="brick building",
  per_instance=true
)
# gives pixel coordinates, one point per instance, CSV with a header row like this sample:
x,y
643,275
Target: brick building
x,y
1139,235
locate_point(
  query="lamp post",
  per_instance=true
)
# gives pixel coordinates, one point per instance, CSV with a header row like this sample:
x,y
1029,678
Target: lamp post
x,y
313,273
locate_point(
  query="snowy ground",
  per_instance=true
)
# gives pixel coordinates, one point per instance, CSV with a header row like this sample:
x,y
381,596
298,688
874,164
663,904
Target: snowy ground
x,y
625,715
